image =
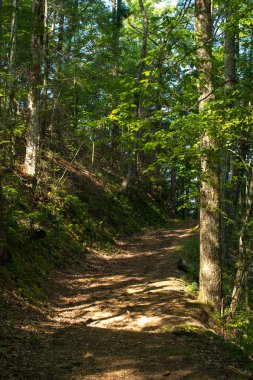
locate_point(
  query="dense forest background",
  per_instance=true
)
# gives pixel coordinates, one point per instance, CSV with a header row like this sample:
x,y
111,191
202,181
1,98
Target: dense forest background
x,y
124,114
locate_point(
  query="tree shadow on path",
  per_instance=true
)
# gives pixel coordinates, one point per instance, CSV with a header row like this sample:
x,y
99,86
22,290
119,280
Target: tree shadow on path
x,y
113,317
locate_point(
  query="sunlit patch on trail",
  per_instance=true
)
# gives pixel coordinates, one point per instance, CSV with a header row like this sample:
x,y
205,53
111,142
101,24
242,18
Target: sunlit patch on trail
x,y
138,289
126,315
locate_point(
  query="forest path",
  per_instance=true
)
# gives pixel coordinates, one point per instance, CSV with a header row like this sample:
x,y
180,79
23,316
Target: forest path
x,y
113,318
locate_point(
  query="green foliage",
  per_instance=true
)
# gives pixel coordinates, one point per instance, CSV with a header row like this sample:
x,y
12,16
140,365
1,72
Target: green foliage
x,y
82,227
34,339
240,330
192,288
71,221
233,350
103,108
189,251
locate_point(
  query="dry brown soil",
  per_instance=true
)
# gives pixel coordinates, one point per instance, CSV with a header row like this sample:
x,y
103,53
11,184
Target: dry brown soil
x,y
113,316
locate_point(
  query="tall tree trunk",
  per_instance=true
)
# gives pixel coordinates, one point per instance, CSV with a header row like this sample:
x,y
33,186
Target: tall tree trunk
x,y
116,24
11,110
1,58
144,45
13,49
173,189
2,233
33,133
226,157
134,162
60,40
142,64
230,56
251,57
210,262
46,64
245,248
3,245
57,34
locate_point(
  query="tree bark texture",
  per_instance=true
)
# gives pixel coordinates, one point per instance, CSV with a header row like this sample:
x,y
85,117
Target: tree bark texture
x,y
225,163
11,110
144,45
210,263
173,199
14,26
230,56
134,161
116,24
1,32
46,63
33,133
3,246
245,249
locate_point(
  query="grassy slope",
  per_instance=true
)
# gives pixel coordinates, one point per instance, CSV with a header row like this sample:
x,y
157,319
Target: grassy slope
x,y
77,212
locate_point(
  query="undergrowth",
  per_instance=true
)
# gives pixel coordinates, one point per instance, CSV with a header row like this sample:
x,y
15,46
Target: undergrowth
x,y
52,222
188,251
238,332
233,350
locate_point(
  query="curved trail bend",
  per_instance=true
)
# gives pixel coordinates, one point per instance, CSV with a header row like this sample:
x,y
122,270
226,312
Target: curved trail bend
x,y
113,317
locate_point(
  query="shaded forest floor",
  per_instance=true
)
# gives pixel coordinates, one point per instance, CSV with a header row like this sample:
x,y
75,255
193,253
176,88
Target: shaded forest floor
x,y
122,315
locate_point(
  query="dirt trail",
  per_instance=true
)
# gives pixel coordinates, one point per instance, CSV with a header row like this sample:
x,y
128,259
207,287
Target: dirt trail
x,y
113,318
138,289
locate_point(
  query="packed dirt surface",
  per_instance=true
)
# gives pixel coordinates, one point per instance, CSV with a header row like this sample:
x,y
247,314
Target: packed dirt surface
x,y
118,316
